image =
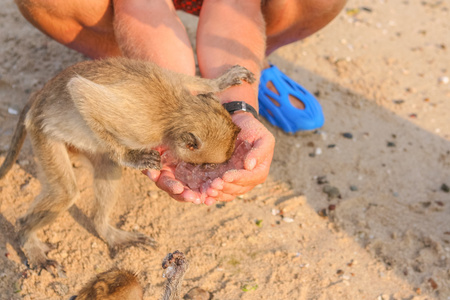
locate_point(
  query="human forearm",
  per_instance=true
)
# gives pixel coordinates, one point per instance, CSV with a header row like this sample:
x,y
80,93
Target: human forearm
x,y
229,33
151,30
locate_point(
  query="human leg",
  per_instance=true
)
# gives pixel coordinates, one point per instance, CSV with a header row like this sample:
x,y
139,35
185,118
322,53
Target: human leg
x,y
288,21
134,28
85,26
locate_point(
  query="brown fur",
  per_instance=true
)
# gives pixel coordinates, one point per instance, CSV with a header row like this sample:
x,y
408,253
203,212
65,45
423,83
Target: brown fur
x,y
115,111
118,284
114,284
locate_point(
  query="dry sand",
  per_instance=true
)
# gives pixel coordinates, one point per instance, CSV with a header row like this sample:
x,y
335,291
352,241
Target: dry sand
x,y
379,72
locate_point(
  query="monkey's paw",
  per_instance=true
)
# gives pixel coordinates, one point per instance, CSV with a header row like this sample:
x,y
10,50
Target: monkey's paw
x,y
174,264
51,266
235,75
132,239
37,259
143,159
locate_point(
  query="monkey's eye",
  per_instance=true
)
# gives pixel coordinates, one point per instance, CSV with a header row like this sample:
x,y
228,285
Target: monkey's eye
x,y
191,147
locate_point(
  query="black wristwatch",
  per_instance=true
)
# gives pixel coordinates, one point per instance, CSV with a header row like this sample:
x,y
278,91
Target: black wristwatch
x,y
235,106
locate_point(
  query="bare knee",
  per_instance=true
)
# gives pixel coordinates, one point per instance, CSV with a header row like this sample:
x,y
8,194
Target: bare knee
x,y
27,8
83,25
52,18
288,21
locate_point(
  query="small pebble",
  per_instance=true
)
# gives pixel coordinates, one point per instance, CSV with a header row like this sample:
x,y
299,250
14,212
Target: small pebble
x,y
390,144
323,212
413,116
331,207
331,145
353,188
445,188
153,194
288,220
197,294
12,111
318,151
443,80
331,191
399,101
322,179
433,283
347,135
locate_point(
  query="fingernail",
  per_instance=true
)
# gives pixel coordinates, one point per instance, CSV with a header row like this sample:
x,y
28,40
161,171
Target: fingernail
x,y
217,184
251,164
213,193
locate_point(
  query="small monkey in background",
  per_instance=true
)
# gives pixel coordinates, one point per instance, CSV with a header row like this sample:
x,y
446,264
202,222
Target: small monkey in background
x,y
117,284
116,111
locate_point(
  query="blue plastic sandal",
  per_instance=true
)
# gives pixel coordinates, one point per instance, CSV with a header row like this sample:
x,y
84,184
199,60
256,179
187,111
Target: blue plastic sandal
x,y
279,111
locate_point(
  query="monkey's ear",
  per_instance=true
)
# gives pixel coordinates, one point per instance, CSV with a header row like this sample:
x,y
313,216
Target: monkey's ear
x,y
190,141
93,100
82,89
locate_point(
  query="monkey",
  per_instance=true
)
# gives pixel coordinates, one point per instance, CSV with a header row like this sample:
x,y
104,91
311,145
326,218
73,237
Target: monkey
x,y
113,284
116,112
119,284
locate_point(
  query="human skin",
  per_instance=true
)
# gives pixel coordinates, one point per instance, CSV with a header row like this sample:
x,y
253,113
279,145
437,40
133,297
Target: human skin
x,y
229,32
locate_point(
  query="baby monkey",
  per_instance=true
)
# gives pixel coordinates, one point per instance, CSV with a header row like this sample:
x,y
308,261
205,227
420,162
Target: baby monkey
x,y
116,111
118,284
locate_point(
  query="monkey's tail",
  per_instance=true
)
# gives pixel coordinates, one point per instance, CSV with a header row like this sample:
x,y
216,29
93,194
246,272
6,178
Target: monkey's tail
x,y
17,141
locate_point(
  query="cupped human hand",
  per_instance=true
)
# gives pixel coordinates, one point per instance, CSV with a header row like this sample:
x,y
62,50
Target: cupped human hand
x,y
256,161
233,182
165,179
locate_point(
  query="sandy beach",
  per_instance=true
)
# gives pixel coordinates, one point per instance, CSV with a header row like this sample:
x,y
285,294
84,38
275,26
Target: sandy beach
x,y
359,209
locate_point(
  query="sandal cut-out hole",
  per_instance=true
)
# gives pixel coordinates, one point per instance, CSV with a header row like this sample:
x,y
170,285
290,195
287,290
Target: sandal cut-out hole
x,y
297,103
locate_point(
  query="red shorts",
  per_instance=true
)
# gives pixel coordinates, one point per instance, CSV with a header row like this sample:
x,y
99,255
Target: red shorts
x,y
189,6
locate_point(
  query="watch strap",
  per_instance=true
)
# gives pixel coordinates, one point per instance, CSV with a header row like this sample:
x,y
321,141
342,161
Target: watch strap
x,y
235,106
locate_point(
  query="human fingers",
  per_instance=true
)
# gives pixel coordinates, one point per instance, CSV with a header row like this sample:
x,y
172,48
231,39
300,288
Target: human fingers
x,y
248,178
224,197
175,188
152,174
262,151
